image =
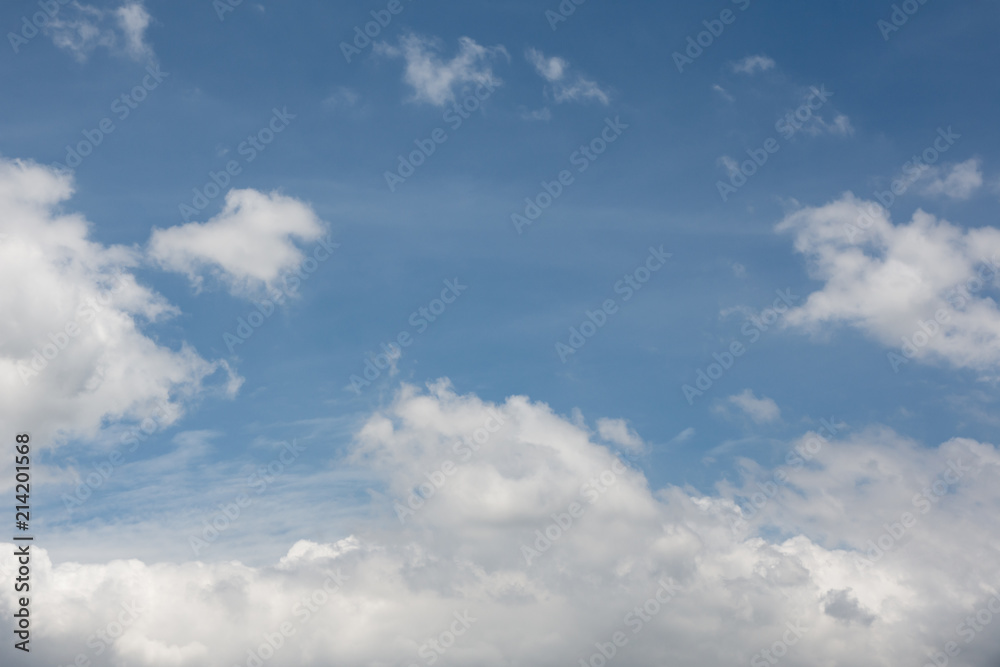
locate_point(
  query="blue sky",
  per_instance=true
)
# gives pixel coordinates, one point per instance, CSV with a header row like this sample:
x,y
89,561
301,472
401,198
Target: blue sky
x,y
212,80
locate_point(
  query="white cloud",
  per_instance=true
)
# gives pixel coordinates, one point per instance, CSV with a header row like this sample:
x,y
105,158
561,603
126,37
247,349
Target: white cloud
x,y
752,64
248,245
958,181
72,350
543,114
133,19
886,279
564,86
618,432
841,125
731,166
435,81
80,29
722,91
760,410
342,97
746,560
683,436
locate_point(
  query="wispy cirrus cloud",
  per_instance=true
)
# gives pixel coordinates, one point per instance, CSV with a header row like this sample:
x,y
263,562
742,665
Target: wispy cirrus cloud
x,y
565,84
435,80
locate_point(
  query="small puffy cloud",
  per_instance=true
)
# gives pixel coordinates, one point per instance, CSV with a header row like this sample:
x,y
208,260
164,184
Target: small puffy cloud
x,y
760,410
618,432
957,181
248,245
73,354
924,288
564,86
753,64
80,29
133,19
436,81
341,98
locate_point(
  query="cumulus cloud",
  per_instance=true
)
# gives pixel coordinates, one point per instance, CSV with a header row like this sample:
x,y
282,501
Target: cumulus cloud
x,y
958,181
565,86
73,352
752,64
80,29
482,572
760,410
435,81
925,288
248,245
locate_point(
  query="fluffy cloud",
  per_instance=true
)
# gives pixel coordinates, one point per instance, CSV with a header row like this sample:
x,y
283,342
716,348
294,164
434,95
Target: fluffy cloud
x,y
435,81
248,245
752,64
959,181
923,288
80,29
760,410
72,350
565,87
811,561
